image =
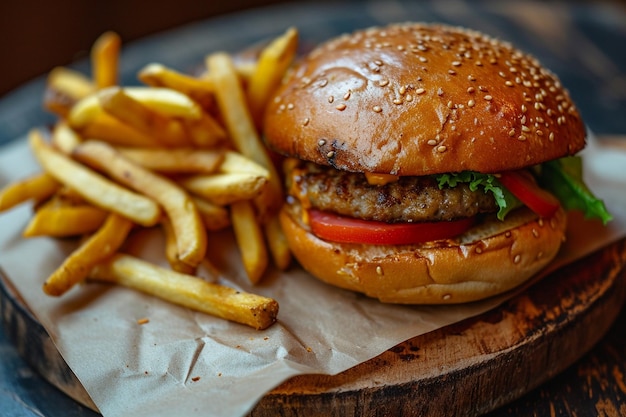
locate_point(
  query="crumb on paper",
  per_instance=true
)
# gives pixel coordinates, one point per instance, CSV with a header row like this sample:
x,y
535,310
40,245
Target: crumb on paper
x,y
143,321
308,349
195,379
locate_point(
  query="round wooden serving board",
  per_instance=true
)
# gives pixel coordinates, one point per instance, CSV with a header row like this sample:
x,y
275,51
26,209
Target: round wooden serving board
x,y
466,369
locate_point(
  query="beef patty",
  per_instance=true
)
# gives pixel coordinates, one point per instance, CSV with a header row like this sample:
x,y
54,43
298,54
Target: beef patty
x,y
410,199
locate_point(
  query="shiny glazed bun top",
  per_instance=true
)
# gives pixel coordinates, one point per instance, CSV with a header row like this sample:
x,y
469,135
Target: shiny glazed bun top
x,y
419,99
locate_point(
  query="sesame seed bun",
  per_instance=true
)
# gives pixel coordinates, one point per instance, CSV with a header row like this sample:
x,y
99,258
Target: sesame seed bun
x,y
418,99
488,259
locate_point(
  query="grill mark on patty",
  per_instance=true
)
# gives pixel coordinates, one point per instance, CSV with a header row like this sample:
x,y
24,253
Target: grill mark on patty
x,y
410,199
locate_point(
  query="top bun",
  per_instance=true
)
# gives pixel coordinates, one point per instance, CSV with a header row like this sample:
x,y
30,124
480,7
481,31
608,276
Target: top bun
x,y
419,99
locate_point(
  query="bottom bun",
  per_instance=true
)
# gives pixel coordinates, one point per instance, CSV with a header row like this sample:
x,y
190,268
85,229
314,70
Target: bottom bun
x,y
489,259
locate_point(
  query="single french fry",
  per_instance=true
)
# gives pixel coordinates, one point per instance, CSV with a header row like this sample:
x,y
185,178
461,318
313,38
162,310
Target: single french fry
x,y
157,75
105,59
64,87
64,138
122,106
166,101
180,160
178,205
223,189
250,241
36,188
214,217
188,291
64,220
277,243
234,162
272,64
171,249
94,250
93,187
234,110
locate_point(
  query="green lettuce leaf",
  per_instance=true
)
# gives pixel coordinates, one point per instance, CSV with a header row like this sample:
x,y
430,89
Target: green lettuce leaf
x,y
563,178
487,183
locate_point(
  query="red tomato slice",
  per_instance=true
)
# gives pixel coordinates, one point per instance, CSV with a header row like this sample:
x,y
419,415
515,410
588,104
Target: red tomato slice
x,y
342,229
523,186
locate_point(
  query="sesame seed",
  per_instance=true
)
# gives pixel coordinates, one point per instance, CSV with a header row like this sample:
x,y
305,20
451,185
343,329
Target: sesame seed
x,y
447,296
305,122
482,88
456,63
479,63
471,103
441,148
471,78
521,138
377,109
535,233
340,107
378,62
450,105
452,72
488,97
539,133
517,259
440,91
379,270
502,74
508,233
524,108
470,90
420,91
432,142
525,128
408,97
479,250
321,142
508,83
383,83
397,101
290,106
423,59
347,95
330,154
331,99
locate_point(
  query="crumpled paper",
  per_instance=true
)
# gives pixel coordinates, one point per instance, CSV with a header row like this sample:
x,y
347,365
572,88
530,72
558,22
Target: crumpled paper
x,y
189,364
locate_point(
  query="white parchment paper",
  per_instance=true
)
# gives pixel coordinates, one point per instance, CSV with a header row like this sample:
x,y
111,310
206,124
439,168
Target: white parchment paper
x,y
189,364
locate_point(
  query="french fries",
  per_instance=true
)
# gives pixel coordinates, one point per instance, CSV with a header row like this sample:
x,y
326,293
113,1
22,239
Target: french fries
x,y
97,248
187,223
189,291
93,187
167,131
183,152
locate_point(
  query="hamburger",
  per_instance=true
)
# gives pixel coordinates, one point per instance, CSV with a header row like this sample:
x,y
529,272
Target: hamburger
x,y
426,164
